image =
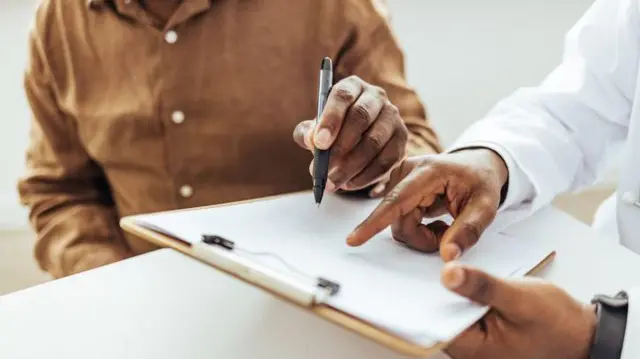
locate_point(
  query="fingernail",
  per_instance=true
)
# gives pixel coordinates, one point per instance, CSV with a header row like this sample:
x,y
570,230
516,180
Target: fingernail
x,y
452,276
322,138
378,189
330,186
452,251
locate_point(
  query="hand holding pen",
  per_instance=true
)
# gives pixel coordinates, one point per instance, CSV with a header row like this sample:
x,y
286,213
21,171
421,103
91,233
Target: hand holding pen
x,y
364,133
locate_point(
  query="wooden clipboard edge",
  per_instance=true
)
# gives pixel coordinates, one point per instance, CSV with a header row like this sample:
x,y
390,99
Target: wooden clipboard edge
x,y
543,264
332,315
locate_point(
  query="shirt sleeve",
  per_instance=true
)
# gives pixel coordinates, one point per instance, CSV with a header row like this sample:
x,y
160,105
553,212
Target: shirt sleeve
x,y
67,194
372,52
556,137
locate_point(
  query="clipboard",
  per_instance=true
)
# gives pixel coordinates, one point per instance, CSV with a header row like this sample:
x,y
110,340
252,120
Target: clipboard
x,y
306,293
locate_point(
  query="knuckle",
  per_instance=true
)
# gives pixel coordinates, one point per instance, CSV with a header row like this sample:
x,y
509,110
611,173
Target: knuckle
x,y
373,142
360,116
354,79
482,289
345,94
331,121
379,91
391,110
471,232
338,149
337,177
393,196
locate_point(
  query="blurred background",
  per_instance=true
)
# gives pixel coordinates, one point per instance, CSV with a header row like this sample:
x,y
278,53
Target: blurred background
x,y
462,56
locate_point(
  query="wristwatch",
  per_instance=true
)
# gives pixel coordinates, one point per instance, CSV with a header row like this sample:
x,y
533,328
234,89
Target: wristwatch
x,y
611,314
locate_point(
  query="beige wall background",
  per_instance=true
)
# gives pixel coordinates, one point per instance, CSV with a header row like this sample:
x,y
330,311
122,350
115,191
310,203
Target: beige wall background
x,y
462,56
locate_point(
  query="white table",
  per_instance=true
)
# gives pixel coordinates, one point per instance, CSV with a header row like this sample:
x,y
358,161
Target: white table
x,y
165,305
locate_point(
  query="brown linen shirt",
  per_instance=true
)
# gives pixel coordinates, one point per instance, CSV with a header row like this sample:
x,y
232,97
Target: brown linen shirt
x,y
131,116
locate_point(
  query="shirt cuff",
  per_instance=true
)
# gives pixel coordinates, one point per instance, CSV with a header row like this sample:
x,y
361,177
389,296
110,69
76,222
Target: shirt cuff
x,y
520,190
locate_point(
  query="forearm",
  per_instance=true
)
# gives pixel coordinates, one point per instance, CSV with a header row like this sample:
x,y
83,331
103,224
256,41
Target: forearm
x,y
73,237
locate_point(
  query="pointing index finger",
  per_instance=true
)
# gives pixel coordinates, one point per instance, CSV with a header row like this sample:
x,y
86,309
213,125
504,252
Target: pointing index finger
x,y
402,199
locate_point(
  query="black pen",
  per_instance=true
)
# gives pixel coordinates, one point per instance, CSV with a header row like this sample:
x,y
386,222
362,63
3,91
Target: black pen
x,y
321,157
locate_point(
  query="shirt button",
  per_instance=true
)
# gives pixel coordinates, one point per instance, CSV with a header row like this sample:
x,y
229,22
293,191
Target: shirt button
x,y
177,117
629,198
171,37
186,191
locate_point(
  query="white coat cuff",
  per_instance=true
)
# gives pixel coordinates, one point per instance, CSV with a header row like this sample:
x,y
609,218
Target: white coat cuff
x,y
520,190
631,346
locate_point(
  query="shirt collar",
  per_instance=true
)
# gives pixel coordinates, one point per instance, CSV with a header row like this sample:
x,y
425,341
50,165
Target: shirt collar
x,y
97,4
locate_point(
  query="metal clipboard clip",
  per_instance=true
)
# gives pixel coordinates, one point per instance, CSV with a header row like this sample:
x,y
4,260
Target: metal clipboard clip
x,y
222,253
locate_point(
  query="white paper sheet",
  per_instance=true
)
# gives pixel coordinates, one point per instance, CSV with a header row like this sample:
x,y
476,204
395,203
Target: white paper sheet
x,y
382,281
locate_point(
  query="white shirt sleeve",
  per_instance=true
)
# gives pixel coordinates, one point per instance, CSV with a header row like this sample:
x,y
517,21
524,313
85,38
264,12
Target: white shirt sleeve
x,y
631,347
555,137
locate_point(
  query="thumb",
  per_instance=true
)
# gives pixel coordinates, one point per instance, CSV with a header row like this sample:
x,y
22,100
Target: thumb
x,y
484,289
303,134
468,226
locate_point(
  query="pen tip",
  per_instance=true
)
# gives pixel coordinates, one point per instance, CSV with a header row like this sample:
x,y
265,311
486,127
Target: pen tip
x,y
326,64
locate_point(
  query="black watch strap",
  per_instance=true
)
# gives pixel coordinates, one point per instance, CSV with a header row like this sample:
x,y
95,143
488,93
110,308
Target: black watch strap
x,y
611,314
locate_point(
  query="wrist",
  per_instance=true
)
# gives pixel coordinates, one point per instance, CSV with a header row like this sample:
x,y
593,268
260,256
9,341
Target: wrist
x,y
611,322
591,320
492,160
499,164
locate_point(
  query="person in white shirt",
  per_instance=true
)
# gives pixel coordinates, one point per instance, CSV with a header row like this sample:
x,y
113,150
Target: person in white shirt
x,y
533,145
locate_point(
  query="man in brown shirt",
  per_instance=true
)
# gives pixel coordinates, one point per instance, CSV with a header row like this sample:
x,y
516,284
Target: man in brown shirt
x,y
143,106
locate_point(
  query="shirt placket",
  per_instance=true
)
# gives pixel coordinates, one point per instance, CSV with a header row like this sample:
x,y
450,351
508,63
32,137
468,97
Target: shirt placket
x,y
173,116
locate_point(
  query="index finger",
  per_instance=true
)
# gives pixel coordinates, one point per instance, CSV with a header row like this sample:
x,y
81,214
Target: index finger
x,y
342,96
407,195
